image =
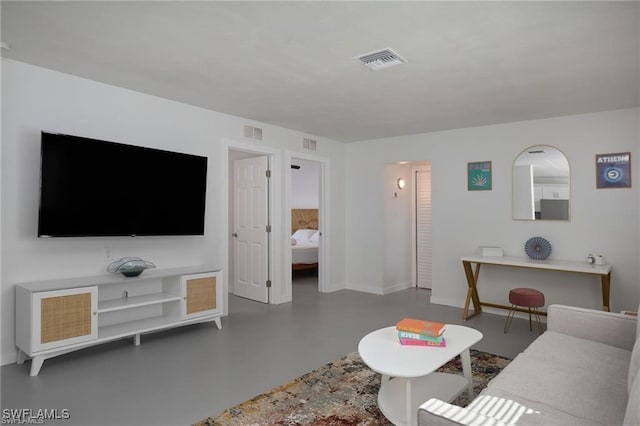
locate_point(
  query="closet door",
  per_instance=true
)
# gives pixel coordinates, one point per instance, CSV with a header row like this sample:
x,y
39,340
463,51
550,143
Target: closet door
x,y
423,228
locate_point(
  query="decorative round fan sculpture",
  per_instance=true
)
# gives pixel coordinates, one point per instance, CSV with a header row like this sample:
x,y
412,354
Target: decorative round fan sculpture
x,y
537,248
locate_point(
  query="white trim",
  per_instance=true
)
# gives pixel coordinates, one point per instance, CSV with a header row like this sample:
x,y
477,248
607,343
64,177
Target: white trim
x,y
275,210
456,303
397,287
369,290
323,221
384,291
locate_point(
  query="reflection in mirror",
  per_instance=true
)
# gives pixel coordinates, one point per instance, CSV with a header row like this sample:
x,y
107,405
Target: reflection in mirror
x,y
541,188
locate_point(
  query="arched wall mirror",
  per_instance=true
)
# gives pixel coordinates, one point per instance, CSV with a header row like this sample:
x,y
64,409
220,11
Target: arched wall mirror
x,y
541,186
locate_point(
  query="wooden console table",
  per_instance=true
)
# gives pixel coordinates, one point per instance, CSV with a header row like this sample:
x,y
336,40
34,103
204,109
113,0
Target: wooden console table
x,y
604,271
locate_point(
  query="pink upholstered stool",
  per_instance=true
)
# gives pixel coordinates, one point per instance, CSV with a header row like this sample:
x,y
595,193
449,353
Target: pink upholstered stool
x,y
526,297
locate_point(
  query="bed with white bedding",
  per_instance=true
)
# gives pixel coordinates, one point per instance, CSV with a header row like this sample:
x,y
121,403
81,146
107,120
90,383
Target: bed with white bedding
x,y
304,253
304,239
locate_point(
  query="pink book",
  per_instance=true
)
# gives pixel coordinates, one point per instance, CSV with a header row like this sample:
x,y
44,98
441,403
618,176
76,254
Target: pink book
x,y
415,342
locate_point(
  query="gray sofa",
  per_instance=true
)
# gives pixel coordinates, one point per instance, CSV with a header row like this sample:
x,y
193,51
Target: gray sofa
x,y
584,370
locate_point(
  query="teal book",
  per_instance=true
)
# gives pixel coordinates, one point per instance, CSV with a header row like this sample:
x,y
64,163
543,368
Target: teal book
x,y
419,336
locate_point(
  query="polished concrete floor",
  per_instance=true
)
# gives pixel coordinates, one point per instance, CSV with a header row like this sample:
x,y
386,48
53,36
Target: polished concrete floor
x,y
184,375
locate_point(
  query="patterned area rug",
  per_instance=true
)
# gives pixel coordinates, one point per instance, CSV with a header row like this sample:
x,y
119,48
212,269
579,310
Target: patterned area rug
x,y
343,392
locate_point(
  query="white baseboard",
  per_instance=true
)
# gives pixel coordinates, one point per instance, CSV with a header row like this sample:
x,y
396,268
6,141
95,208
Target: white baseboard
x,y
9,357
397,287
447,302
381,291
370,290
331,287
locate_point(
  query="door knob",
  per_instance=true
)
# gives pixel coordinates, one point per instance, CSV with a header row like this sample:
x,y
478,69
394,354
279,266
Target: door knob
x,y
235,235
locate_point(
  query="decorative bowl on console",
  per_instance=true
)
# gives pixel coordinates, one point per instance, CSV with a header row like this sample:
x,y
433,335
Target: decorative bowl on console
x,y
130,266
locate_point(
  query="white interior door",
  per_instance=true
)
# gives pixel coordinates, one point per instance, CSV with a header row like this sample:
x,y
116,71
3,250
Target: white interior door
x,y
423,228
251,237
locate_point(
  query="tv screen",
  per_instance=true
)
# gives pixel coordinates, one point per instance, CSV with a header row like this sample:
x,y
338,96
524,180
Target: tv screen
x,y
90,187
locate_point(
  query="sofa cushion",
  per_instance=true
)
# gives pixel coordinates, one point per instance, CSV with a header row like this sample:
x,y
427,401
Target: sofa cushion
x,y
511,409
634,365
638,324
558,348
632,416
605,327
579,377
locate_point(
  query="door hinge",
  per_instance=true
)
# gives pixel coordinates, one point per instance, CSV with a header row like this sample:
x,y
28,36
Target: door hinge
x,y
268,283
268,227
268,173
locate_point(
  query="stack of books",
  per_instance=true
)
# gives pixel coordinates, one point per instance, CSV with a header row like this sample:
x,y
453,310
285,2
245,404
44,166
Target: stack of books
x,y
415,332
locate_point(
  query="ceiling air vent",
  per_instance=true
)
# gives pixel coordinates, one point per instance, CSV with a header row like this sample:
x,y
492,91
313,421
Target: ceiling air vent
x,y
380,59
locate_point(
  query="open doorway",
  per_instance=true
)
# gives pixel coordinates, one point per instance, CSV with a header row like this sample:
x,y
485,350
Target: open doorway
x,y
307,189
279,272
305,230
407,230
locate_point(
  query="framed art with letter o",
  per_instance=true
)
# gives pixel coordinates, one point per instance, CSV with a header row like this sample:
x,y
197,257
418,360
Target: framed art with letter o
x,y
613,170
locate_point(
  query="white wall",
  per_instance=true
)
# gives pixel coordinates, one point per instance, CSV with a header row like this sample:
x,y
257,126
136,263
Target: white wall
x,y
305,184
604,221
36,99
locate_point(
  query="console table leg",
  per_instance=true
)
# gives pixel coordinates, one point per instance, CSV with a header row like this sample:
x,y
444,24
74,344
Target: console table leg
x,y
136,339
218,323
606,288
465,359
472,291
22,357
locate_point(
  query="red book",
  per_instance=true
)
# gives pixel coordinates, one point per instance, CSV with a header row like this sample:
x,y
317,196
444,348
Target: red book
x,y
429,328
416,342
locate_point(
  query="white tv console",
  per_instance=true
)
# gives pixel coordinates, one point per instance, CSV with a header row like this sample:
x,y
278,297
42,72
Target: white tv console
x,y
56,317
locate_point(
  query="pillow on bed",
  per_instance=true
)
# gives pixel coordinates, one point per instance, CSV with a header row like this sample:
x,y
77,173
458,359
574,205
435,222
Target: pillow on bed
x,y
303,234
315,237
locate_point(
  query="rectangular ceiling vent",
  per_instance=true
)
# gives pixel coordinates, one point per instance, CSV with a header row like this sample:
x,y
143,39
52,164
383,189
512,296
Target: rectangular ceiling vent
x,y
253,132
380,59
309,144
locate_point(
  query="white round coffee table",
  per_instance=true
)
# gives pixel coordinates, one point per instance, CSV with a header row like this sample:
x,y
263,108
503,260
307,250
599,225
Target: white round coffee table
x,y
408,377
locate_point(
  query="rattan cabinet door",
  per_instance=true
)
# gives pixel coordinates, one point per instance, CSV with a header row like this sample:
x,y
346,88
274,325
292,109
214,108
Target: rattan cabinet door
x,y
201,294
64,317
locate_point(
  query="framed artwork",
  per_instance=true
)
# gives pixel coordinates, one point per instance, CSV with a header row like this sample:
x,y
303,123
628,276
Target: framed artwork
x,y
613,170
479,176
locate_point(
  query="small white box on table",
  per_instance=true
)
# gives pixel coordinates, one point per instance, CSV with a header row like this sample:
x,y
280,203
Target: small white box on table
x,y
491,251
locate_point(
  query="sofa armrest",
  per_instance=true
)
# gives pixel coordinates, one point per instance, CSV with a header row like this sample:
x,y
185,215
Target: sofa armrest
x,y
605,327
439,413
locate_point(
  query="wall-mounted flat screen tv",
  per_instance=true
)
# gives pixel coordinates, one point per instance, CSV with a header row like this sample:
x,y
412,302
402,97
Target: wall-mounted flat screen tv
x,y
91,187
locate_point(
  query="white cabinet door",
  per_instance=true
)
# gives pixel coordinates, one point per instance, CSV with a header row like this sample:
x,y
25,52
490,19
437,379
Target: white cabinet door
x,y
201,295
555,191
64,317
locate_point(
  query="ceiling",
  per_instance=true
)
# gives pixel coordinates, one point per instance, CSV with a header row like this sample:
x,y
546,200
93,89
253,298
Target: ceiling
x,y
291,63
